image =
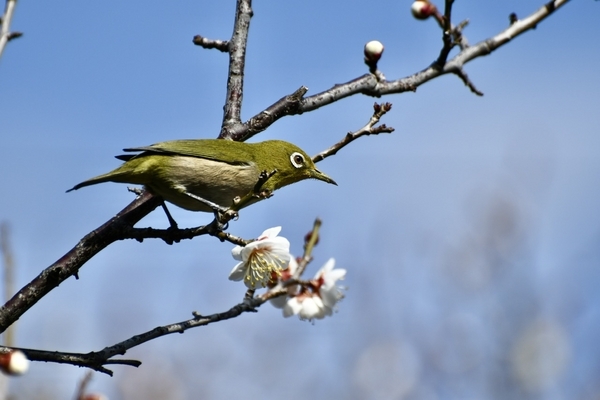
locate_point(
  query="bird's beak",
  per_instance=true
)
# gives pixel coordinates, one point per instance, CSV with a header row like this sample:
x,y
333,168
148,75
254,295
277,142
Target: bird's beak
x,y
322,177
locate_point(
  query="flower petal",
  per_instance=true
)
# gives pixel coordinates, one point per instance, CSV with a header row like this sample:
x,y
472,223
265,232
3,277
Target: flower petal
x,y
292,307
238,272
270,233
279,302
236,252
330,279
331,296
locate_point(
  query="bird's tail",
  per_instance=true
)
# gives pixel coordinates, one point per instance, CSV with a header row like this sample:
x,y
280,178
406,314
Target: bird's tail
x,y
120,175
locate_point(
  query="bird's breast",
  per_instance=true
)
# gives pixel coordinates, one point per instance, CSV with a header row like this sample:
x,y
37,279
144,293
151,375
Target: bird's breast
x,y
215,181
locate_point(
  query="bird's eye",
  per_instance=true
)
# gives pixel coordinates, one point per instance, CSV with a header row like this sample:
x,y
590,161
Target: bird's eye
x,y
297,160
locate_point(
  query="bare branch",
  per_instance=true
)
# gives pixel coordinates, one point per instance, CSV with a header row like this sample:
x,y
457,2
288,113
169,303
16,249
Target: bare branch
x,y
287,105
5,34
369,85
69,264
99,359
460,72
369,129
9,276
310,241
446,25
169,236
237,60
92,360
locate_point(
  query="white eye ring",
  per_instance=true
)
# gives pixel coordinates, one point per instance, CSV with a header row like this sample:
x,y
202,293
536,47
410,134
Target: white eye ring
x,y
297,159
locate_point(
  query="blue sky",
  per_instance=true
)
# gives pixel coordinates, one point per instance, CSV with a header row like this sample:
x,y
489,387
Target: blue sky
x,y
477,213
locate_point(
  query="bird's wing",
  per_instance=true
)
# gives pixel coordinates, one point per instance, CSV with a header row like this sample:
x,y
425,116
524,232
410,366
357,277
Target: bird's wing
x,y
207,149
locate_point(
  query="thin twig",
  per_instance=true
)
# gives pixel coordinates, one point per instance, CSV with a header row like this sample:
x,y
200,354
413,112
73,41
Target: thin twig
x,y
311,240
368,85
379,110
460,72
221,45
99,359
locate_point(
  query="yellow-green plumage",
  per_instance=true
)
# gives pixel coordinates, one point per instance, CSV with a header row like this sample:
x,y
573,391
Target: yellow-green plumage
x,y
215,170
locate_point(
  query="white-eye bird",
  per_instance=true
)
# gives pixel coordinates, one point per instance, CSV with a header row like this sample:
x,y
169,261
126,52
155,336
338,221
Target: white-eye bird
x,y
215,170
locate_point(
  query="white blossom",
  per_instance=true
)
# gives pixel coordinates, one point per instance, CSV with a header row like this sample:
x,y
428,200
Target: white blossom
x,y
288,273
318,299
259,260
326,279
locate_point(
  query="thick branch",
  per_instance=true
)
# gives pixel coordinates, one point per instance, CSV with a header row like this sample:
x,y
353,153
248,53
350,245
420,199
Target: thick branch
x,y
237,60
287,105
69,264
5,34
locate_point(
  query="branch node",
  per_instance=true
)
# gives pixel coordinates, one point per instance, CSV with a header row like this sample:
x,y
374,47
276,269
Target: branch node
x,y
14,35
221,45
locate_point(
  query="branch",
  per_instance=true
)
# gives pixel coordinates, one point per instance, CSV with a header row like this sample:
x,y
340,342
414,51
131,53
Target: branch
x,y
221,45
122,224
121,227
5,34
310,241
370,85
69,264
99,359
287,105
379,110
237,60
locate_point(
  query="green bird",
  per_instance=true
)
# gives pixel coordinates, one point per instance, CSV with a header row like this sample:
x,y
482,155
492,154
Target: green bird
x,y
194,173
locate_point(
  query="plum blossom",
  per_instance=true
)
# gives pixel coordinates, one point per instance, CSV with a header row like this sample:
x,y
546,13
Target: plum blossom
x,y
259,260
326,279
286,274
318,299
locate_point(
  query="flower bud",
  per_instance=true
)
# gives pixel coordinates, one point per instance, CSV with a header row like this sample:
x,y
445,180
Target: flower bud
x,y
422,9
373,51
95,396
14,362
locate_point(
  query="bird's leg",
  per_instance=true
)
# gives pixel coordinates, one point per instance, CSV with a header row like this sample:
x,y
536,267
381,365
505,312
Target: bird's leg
x,y
169,217
213,206
172,223
222,214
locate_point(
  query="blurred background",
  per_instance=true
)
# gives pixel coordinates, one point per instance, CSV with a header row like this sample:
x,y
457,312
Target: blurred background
x,y
469,234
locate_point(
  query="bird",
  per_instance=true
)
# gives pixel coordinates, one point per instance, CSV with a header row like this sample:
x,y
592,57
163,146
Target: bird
x,y
205,174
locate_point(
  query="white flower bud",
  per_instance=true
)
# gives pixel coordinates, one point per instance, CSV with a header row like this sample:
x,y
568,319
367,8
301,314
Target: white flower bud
x,y
422,9
373,51
14,362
